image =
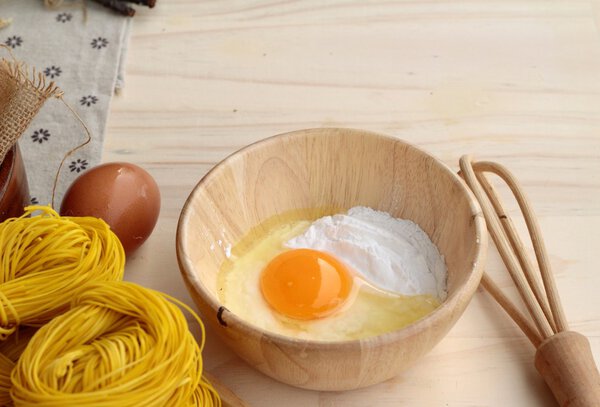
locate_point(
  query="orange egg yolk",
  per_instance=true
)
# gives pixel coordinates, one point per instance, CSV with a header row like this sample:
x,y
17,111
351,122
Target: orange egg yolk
x,y
305,284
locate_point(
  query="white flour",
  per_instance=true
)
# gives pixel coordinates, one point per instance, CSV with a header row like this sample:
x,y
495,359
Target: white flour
x,y
392,254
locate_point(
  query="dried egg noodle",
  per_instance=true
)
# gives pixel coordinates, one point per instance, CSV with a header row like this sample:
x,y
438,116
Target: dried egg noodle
x,y
45,258
108,342
6,366
120,344
10,351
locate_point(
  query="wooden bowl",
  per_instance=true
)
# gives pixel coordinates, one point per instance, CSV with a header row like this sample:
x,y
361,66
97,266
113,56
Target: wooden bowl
x,y
14,190
331,168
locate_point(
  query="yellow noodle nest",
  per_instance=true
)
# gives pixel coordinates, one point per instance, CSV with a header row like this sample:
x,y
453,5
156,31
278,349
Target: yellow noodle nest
x,y
45,258
10,351
120,344
104,342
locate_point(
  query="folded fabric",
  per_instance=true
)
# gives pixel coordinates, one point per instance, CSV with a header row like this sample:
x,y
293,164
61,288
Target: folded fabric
x,y
84,56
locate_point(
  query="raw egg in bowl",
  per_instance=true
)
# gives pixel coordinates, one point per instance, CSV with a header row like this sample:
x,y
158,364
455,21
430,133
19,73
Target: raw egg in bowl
x,y
331,259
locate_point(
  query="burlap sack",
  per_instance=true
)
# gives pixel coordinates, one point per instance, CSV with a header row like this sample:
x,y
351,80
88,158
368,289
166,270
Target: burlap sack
x,y
22,94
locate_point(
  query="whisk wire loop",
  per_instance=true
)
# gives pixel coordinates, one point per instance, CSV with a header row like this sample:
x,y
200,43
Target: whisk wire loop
x,y
518,249
555,314
518,317
563,358
547,314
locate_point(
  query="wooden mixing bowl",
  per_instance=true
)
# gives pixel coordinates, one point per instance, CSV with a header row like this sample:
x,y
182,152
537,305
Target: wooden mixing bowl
x,y
330,168
14,190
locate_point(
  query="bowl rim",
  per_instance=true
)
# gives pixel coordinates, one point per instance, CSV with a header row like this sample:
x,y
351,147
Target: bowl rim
x,y
450,303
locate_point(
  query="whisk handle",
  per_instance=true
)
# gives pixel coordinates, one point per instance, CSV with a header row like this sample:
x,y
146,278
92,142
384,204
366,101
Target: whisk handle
x,y
566,363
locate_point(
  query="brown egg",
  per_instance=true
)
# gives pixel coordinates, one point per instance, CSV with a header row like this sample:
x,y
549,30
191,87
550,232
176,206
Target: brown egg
x,y
122,194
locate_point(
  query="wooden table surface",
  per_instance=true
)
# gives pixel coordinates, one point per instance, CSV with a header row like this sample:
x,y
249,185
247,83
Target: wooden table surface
x,y
512,81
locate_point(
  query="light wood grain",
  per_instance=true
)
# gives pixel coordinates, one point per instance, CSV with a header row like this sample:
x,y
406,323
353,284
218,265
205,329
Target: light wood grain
x,y
228,398
510,81
566,363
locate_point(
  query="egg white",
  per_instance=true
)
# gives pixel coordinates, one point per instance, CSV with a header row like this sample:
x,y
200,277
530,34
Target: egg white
x,y
367,312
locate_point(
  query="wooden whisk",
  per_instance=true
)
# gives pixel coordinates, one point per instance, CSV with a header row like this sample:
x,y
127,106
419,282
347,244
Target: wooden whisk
x,y
563,358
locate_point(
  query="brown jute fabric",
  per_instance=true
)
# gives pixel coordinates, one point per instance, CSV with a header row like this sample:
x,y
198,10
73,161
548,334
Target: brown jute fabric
x,y
22,94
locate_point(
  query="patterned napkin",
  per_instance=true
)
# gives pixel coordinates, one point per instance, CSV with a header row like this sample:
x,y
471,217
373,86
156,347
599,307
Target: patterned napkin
x,y
85,58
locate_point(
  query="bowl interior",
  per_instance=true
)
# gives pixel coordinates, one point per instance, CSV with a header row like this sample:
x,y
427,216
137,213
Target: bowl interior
x,y
334,170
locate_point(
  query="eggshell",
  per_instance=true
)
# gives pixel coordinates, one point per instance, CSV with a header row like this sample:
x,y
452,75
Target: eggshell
x,y
122,194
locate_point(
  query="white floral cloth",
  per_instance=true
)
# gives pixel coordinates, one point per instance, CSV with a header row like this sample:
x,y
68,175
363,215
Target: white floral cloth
x,y
85,58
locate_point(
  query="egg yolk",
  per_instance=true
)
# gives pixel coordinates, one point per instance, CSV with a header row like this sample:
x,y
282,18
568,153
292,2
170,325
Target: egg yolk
x,y
305,284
